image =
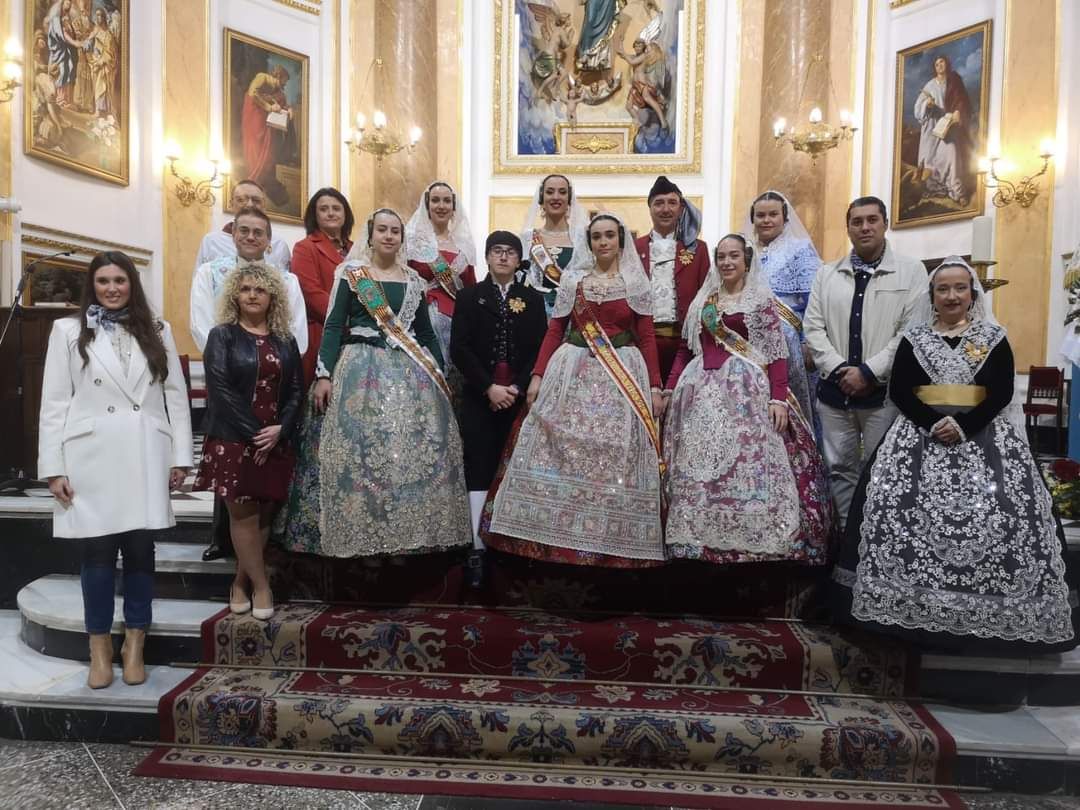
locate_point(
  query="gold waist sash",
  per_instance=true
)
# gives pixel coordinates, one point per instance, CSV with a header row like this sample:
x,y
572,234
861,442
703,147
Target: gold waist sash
x,y
668,330
961,396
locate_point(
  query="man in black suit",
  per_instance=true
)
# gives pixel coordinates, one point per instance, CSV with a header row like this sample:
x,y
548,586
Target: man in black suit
x,y
495,335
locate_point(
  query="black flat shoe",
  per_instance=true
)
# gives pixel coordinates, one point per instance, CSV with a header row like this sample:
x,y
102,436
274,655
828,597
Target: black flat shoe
x,y
215,552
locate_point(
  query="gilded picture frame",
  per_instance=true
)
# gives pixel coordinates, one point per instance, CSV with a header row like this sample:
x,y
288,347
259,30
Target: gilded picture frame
x,y
941,123
56,282
266,135
598,87
76,97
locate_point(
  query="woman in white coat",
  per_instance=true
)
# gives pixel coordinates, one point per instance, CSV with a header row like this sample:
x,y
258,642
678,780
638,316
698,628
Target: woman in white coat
x,y
115,438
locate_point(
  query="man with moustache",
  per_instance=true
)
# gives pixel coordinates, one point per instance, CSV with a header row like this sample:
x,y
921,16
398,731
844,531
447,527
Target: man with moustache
x,y
676,262
495,335
251,235
859,307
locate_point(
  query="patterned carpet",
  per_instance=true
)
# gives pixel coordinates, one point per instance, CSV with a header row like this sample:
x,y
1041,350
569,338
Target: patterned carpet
x,y
534,704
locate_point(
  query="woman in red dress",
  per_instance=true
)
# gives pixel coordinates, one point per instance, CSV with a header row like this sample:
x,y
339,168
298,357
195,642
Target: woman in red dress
x,y
329,222
253,381
439,246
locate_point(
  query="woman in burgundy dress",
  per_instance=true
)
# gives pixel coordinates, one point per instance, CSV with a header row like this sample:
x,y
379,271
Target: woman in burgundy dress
x,y
253,377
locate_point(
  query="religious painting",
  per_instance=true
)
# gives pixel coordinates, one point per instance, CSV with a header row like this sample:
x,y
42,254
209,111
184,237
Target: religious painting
x,y
598,86
942,110
265,121
55,282
75,107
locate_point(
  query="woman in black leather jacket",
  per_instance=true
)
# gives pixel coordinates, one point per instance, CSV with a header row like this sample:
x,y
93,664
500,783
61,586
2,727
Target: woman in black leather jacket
x,y
253,377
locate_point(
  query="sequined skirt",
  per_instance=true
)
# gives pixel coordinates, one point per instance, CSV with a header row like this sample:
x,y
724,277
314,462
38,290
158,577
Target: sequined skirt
x,y
583,477
381,472
737,490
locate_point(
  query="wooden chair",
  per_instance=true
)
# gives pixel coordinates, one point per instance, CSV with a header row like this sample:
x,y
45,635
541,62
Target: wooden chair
x,y
193,393
1045,383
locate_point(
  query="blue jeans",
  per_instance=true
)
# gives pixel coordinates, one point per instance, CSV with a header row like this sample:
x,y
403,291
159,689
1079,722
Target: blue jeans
x,y
99,580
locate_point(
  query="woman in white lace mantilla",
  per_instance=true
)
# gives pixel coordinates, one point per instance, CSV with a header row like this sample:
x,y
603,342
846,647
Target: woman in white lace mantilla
x,y
380,467
439,246
551,247
582,485
745,482
789,263
951,539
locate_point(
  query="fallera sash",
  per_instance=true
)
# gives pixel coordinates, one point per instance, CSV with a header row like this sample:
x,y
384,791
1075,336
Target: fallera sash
x,y
600,347
445,275
542,257
738,346
373,297
788,314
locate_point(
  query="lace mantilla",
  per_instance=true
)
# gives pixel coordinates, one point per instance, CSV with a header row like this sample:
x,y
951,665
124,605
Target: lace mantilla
x,y
755,303
948,366
636,288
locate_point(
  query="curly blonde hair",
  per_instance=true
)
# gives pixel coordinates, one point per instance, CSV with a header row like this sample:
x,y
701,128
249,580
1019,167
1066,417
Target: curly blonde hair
x,y
277,317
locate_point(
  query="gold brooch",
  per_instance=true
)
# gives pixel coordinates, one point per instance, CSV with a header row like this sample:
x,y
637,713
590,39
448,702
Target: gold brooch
x,y
516,305
686,257
976,352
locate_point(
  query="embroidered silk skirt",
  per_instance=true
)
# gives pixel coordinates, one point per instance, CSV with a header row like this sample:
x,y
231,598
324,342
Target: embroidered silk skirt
x,y
440,324
583,482
737,490
381,472
956,546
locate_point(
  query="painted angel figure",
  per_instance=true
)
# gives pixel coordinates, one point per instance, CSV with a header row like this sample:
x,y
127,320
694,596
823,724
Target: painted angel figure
x,y
552,46
649,74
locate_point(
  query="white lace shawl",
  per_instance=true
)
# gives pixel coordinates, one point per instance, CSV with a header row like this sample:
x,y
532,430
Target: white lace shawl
x,y
423,242
635,287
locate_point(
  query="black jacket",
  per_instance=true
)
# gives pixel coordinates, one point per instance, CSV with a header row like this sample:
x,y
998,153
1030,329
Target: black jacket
x,y
472,333
231,360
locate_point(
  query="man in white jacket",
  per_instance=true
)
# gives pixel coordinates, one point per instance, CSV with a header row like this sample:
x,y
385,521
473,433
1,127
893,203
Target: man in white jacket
x,y
251,234
859,307
245,194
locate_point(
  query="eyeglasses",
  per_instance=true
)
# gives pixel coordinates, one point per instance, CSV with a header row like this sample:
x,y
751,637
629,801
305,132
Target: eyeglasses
x,y
500,252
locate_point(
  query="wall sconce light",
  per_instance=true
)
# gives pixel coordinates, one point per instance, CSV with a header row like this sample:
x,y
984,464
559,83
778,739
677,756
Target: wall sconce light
x,y
201,192
1026,189
12,70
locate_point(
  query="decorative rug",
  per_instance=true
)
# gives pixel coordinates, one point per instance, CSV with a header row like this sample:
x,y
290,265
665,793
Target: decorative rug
x,y
567,646
528,703
361,773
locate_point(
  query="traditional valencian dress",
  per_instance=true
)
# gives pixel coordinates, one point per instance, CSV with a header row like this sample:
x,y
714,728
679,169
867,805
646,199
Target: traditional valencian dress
x,y
583,483
548,262
789,264
381,472
956,545
737,490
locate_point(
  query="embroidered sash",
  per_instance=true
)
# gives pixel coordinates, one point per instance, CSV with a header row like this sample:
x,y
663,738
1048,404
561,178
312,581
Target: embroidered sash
x,y
373,297
738,346
601,347
788,314
542,257
445,275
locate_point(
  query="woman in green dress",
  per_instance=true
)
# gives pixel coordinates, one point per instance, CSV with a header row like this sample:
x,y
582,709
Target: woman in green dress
x,y
380,468
551,246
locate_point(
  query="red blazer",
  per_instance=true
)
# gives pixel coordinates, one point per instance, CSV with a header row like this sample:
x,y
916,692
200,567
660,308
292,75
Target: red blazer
x,y
689,275
314,261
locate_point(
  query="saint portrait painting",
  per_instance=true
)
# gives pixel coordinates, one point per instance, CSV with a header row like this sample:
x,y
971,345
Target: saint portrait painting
x,y
942,96
76,91
266,102
606,82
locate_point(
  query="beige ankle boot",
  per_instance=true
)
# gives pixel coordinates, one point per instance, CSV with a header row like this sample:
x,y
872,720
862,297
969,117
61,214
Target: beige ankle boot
x,y
132,656
101,655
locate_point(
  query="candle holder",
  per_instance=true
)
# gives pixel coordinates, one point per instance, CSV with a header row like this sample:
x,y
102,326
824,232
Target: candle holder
x,y
988,284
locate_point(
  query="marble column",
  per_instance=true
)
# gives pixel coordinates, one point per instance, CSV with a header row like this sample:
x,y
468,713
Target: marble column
x,y
796,37
406,39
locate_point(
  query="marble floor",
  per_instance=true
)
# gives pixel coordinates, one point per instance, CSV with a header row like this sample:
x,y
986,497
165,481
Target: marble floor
x,y
74,776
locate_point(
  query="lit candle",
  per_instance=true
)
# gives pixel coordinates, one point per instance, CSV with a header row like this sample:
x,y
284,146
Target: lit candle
x,y
224,166
13,49
172,150
982,239
845,118
984,165
379,119
778,127
12,71
1047,147
815,115
414,135
361,121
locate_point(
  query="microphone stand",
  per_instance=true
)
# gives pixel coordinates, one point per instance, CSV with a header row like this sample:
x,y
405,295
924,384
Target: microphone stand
x,y
21,482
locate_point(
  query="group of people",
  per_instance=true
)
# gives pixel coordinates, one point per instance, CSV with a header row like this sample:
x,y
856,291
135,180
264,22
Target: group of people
x,y
591,399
